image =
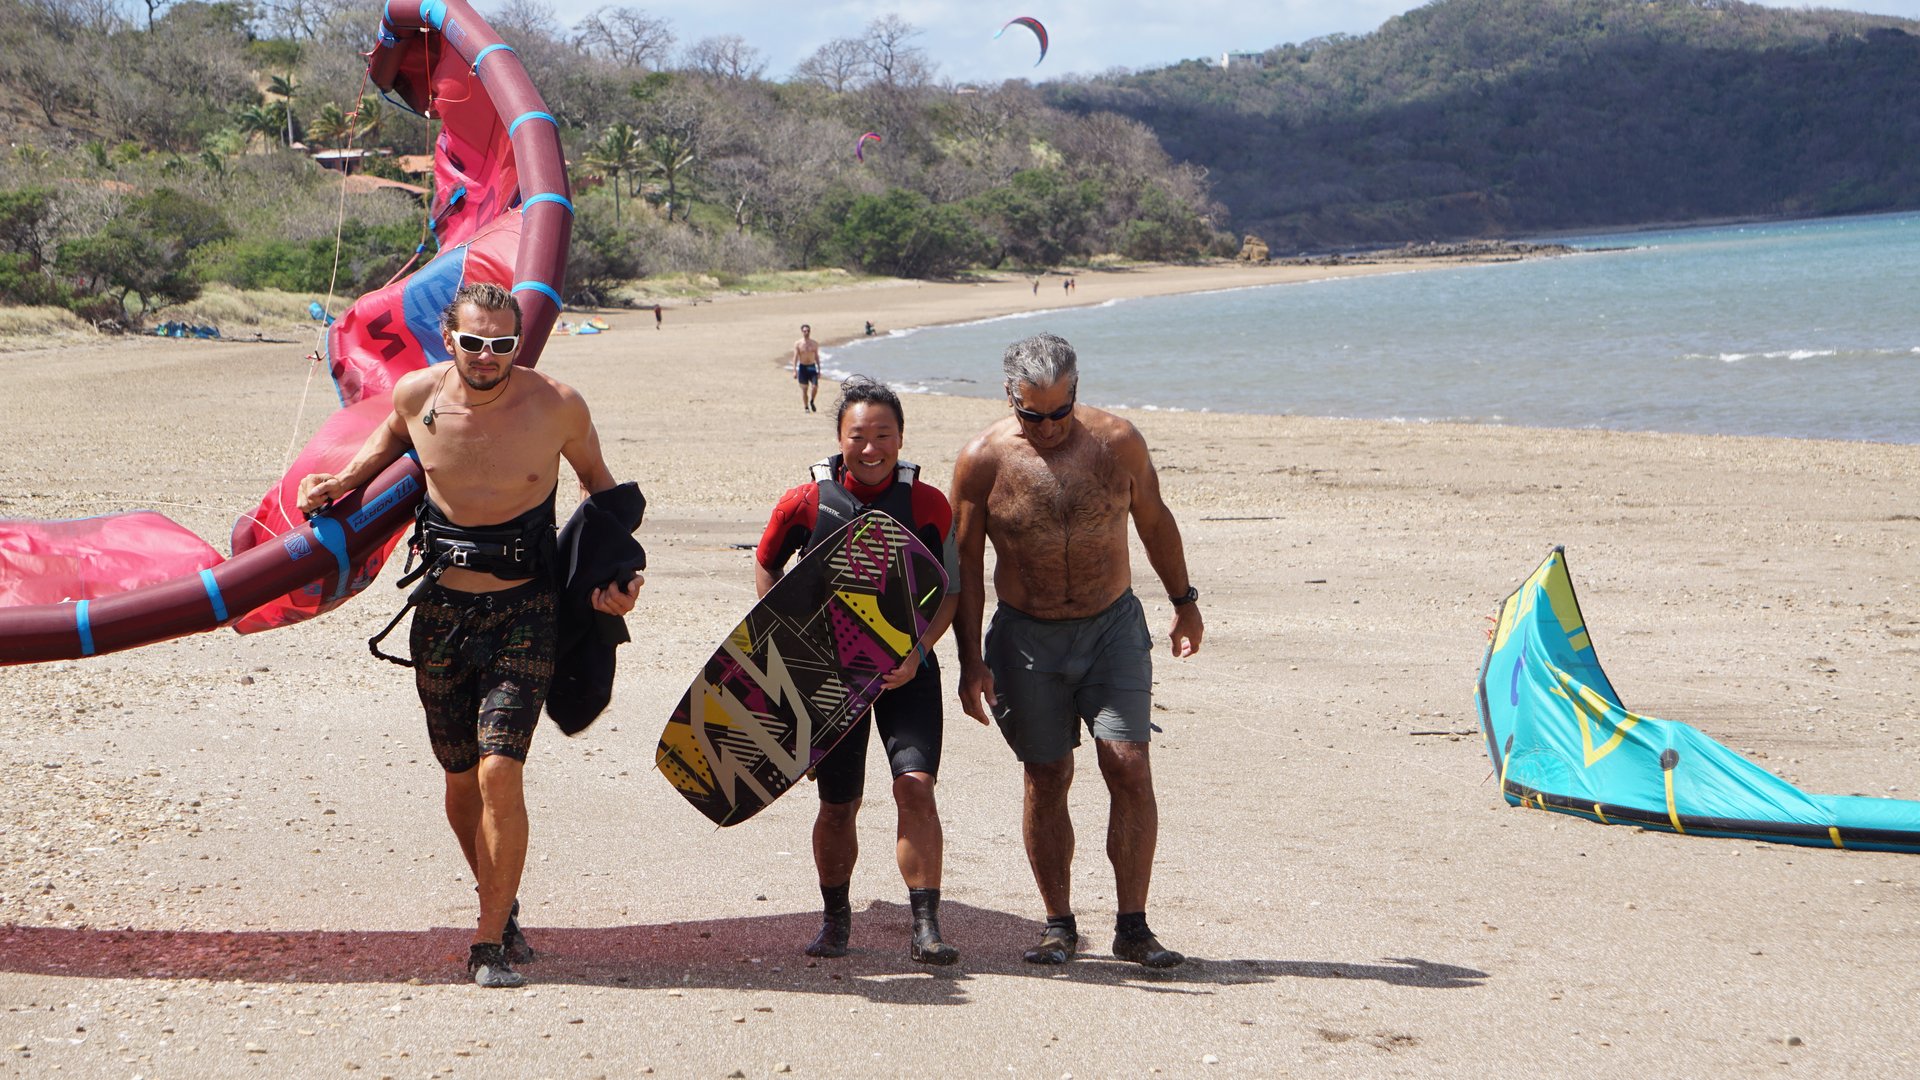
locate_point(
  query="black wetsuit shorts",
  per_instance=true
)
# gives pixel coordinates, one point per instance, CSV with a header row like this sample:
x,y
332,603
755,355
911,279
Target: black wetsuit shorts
x,y
482,664
910,723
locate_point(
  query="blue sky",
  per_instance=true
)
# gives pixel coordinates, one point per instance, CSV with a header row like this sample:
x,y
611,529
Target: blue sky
x,y
1089,36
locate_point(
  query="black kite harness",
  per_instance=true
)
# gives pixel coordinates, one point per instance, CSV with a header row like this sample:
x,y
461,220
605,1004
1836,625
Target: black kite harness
x,y
515,550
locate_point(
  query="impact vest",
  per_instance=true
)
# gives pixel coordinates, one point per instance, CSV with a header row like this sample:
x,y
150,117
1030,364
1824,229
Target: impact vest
x,y
838,506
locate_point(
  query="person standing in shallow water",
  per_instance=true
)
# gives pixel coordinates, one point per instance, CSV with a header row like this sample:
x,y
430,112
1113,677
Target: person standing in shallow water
x,y
868,474
490,437
1053,486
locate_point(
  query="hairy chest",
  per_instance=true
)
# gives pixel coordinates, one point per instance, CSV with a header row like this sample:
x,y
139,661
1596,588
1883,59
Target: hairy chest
x,y
1083,490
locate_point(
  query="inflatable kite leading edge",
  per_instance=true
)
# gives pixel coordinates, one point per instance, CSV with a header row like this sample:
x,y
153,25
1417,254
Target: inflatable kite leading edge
x,y
1561,740
500,213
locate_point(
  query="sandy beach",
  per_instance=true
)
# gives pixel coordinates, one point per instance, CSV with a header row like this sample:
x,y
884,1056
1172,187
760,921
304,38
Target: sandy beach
x,y
225,856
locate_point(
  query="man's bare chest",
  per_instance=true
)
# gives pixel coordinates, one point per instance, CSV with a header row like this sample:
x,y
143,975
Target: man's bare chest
x,y
487,461
1078,491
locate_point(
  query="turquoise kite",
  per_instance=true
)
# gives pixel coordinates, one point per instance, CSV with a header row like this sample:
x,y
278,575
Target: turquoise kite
x,y
1561,740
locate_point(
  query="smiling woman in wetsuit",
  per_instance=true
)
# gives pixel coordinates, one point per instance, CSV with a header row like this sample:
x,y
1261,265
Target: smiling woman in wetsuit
x,y
867,474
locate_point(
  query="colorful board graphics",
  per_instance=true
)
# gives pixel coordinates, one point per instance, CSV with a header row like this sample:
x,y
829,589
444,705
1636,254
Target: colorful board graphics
x,y
801,668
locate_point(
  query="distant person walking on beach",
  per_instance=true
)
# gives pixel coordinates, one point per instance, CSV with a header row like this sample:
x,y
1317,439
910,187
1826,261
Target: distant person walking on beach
x,y
657,316
490,437
806,368
867,474
1053,486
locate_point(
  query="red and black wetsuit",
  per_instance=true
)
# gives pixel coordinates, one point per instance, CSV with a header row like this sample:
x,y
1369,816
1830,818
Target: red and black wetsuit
x,y
910,717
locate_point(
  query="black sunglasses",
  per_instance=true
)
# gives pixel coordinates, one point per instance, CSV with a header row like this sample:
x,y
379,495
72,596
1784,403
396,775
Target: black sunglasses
x,y
1032,417
473,343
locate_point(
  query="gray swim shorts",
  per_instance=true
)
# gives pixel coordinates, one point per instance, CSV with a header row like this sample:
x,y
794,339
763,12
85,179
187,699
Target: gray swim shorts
x,y
1051,675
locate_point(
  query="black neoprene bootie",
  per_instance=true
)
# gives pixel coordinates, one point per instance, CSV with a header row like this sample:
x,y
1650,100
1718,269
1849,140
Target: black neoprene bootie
x,y
1057,942
513,940
836,923
927,948
1133,941
487,963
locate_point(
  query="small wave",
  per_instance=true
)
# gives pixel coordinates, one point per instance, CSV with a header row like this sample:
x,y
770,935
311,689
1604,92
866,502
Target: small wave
x,y
1777,354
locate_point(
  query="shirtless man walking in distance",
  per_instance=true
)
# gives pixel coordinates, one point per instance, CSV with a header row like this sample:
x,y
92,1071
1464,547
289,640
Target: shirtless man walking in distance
x,y
1053,486
806,368
490,437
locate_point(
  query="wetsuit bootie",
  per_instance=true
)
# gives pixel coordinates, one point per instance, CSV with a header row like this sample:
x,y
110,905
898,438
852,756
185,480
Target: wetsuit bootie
x,y
836,923
1057,942
514,940
487,963
927,948
1133,941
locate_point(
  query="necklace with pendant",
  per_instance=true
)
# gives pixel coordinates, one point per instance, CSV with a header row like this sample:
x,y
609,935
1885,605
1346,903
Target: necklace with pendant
x,y
433,407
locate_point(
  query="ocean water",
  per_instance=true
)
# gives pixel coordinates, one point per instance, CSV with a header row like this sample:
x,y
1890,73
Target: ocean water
x,y
1804,329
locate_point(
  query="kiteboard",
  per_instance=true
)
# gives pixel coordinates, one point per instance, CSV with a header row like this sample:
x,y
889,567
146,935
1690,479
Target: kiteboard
x,y
801,668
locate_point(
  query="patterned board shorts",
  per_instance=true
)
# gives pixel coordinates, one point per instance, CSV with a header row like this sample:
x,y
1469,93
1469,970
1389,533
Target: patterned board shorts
x,y
482,663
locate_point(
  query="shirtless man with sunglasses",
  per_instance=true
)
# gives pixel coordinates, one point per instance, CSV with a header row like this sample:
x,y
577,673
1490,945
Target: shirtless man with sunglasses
x,y
1053,486
490,437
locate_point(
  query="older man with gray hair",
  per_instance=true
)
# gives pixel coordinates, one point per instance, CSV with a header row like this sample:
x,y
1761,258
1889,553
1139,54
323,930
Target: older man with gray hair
x,y
1053,486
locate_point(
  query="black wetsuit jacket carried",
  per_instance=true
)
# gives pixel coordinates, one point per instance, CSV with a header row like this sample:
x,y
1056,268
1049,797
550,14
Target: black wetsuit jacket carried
x,y
597,549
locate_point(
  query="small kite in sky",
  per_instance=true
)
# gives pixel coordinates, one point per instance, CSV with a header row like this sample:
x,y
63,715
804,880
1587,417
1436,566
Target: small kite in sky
x,y
860,144
1033,25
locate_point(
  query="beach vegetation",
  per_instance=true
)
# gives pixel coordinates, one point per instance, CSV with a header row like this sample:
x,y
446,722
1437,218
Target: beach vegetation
x,y
905,234
27,326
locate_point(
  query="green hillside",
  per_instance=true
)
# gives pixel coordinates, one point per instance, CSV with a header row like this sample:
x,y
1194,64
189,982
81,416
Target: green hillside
x,y
1495,117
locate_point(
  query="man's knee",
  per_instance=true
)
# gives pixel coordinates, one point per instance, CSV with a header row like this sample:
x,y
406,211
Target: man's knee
x,y
463,790
838,815
500,781
913,794
1048,781
1126,767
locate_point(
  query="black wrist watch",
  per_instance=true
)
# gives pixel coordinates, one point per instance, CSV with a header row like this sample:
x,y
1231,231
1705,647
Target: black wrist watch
x,y
1192,594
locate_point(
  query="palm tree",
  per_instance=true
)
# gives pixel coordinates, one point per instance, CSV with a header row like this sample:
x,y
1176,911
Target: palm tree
x,y
617,153
282,87
669,157
366,118
329,125
260,119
